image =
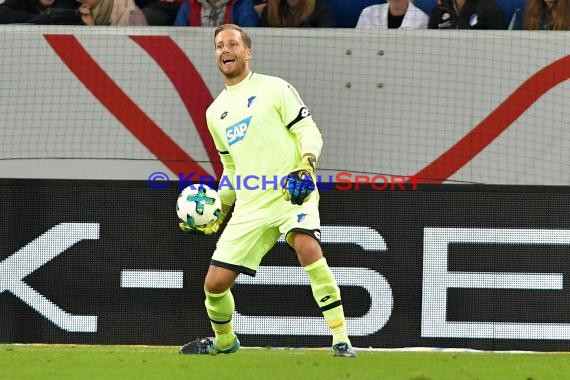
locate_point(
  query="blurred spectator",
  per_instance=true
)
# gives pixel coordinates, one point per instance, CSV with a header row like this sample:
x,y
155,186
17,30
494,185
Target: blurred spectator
x,y
216,13
45,12
396,14
467,14
546,15
259,5
115,12
298,13
161,12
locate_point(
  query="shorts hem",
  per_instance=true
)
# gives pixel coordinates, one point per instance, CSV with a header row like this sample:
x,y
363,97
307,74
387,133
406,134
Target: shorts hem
x,y
233,267
304,231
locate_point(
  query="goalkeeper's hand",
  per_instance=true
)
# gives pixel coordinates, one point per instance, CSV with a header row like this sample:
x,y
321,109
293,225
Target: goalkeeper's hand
x,y
300,183
207,230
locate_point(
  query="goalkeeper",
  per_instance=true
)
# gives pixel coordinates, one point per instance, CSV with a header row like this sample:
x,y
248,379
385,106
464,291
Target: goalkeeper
x,y
261,127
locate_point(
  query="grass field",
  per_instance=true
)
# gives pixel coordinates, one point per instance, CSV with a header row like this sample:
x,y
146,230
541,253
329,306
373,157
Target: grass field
x,y
134,362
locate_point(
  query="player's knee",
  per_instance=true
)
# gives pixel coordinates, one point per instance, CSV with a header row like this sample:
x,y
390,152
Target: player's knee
x,y
218,280
216,286
307,248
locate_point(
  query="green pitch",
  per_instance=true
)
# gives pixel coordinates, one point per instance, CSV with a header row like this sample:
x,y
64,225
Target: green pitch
x,y
134,362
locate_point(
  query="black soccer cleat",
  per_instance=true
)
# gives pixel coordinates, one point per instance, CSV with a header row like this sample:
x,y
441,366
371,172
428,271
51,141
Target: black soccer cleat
x,y
206,346
343,350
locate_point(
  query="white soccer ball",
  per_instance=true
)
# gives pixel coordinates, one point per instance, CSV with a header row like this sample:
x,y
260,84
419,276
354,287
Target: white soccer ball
x,y
198,205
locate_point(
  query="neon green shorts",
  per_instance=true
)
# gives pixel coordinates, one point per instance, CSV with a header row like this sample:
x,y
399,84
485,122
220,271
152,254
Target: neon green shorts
x,y
250,234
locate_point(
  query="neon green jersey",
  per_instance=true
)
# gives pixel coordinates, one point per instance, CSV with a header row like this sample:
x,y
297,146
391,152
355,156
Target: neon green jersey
x,y
261,128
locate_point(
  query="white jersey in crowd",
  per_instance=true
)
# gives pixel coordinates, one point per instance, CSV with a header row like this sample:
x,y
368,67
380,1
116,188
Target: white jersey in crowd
x,y
376,17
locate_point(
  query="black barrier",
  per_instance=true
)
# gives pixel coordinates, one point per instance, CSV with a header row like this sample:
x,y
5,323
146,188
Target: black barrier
x,y
481,267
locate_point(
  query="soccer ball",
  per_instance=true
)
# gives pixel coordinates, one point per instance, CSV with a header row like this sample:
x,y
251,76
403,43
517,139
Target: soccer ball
x,y
198,205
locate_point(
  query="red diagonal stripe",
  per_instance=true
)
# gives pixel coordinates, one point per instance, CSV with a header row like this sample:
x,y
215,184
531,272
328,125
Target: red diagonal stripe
x,y
498,121
189,84
121,106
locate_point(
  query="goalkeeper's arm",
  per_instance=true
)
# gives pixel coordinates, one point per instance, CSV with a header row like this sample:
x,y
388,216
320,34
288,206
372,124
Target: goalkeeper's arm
x,y
226,191
227,194
308,137
301,182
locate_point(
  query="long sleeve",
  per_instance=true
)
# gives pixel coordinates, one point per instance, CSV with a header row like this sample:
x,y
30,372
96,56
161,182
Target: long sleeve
x,y
298,120
226,189
308,137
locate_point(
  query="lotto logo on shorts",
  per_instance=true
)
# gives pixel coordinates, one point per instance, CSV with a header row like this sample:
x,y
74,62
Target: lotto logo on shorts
x,y
236,132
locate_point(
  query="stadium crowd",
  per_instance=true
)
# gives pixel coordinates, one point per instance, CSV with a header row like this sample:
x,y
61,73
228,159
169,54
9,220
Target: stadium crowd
x,y
359,14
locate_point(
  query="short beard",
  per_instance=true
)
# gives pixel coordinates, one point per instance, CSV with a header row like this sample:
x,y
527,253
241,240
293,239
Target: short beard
x,y
230,75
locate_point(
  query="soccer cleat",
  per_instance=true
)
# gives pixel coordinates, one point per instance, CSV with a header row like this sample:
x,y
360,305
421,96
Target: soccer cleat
x,y
343,350
206,346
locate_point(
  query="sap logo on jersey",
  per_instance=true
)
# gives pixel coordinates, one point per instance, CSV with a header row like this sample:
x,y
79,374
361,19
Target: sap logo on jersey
x,y
236,132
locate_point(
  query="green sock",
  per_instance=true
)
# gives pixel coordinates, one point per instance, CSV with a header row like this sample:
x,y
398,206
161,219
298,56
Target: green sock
x,y
327,294
220,308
